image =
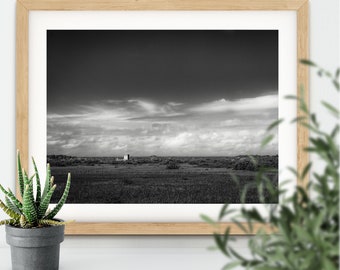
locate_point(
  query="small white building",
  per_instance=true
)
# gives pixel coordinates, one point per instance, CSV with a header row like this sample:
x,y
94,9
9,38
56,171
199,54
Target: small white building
x,y
126,157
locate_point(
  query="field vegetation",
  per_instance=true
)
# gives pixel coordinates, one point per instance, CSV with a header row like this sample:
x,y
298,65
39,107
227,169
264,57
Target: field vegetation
x,y
161,179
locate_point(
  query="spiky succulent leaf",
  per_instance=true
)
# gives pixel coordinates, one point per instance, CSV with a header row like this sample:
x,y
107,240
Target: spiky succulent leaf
x,y
37,178
12,206
45,203
51,222
47,181
14,199
8,211
20,175
9,222
62,199
23,222
31,211
51,181
26,180
10,195
28,208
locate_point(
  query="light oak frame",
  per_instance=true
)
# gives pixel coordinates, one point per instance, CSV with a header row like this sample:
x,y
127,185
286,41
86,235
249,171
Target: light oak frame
x,y
110,228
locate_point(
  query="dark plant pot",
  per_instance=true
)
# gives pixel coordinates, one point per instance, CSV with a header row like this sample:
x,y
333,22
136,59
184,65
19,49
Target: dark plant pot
x,y
35,249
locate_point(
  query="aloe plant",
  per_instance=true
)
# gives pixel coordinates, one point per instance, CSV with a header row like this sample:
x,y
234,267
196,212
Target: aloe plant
x,y
32,210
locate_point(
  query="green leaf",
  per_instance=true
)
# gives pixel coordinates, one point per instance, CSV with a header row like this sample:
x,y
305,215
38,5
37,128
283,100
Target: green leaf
x,y
45,203
294,171
23,222
12,206
38,195
267,140
20,175
8,222
8,211
62,200
208,220
220,243
291,97
328,74
226,236
308,62
298,119
311,128
224,211
328,264
303,107
336,84
26,179
235,179
47,181
335,131
331,108
264,267
10,194
231,265
253,214
237,255
51,182
320,144
275,124
244,193
212,248
28,207
314,121
253,160
337,73
303,196
241,226
303,234
310,149
306,170
51,222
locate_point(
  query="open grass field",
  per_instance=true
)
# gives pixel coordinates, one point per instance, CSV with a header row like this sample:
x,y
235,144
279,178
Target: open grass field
x,y
158,179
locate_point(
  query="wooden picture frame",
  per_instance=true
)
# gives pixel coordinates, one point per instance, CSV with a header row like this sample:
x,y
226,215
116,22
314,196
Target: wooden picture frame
x,y
22,60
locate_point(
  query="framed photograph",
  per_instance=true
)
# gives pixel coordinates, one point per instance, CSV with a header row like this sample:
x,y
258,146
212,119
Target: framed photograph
x,y
152,106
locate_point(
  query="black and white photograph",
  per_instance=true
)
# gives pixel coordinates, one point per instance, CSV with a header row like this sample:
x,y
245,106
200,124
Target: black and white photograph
x,y
161,116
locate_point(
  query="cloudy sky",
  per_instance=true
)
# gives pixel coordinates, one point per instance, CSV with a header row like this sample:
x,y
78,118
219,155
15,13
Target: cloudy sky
x,y
184,93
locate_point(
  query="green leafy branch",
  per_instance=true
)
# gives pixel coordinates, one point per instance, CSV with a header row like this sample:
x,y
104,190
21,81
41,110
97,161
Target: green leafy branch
x,y
306,223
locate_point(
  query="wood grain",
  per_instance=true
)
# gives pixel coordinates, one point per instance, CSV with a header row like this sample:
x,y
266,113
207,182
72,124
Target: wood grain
x,y
22,132
162,4
302,82
187,228
22,84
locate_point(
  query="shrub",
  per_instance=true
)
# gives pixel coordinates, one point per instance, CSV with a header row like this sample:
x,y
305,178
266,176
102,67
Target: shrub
x,y
172,165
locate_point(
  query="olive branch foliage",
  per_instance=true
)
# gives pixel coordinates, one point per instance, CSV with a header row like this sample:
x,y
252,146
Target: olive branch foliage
x,y
305,225
32,210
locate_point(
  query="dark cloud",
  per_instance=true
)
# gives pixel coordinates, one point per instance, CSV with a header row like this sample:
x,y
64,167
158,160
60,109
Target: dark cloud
x,y
188,66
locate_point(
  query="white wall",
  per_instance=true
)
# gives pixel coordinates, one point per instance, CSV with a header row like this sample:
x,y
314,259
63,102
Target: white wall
x,y
324,33
324,50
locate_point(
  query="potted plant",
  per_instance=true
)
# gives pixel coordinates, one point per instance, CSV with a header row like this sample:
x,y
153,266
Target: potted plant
x,y
306,223
32,232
